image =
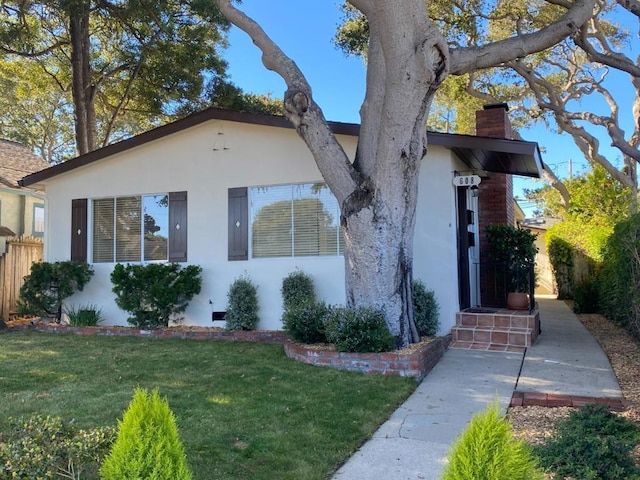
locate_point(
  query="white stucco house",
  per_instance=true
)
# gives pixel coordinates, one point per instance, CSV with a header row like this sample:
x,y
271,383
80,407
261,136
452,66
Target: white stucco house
x,y
239,193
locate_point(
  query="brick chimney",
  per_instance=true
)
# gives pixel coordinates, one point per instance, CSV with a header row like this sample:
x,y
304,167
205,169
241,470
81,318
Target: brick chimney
x,y
493,121
495,195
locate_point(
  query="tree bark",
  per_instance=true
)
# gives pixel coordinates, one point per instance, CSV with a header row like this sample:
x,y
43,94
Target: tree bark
x,y
81,86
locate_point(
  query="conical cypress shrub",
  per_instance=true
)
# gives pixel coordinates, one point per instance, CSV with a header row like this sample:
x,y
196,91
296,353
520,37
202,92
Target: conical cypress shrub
x,y
147,446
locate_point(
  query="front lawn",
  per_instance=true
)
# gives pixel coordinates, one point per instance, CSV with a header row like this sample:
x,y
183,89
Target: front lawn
x,y
244,410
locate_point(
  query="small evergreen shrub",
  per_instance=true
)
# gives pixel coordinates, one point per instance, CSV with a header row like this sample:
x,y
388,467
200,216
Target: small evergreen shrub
x,y
306,323
586,296
487,450
84,316
44,447
592,443
297,290
426,310
242,305
155,293
46,287
147,446
361,330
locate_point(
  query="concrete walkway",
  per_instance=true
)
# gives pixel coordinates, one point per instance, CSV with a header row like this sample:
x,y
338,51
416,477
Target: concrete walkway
x,y
414,442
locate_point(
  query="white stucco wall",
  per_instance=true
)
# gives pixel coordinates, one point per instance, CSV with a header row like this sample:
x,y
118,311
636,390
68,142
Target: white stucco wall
x,y
208,159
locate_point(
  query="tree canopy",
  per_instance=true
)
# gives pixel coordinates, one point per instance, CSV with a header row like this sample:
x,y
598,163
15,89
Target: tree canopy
x,y
92,72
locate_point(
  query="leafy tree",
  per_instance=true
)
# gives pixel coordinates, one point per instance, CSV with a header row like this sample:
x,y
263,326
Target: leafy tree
x,y
116,62
408,59
598,203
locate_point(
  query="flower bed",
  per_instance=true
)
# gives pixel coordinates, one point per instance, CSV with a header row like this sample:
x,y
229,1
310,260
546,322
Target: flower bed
x,y
415,361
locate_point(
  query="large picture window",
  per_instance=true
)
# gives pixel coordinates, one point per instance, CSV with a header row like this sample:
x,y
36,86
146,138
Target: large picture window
x,y
130,229
294,221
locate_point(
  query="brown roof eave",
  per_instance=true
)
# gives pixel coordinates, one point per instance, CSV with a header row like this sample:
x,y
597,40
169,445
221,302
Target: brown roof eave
x,y
482,153
174,127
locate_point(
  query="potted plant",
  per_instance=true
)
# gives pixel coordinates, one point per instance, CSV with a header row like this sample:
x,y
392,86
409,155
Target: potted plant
x,y
515,249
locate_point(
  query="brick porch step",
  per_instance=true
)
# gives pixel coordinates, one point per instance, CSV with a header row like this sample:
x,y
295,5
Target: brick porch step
x,y
502,330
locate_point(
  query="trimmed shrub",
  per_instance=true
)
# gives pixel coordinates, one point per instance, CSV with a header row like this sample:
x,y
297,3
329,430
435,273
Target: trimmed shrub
x,y
592,443
155,293
242,306
46,447
147,446
487,450
426,310
45,288
361,330
306,323
84,316
297,290
586,297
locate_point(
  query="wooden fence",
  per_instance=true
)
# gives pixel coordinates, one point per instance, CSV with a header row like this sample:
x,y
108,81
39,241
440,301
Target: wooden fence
x,y
15,264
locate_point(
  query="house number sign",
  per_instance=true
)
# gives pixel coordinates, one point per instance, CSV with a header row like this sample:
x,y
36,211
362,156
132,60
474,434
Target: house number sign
x,y
467,180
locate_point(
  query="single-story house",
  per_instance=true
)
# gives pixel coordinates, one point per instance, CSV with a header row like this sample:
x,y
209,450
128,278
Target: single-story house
x,y
21,209
239,193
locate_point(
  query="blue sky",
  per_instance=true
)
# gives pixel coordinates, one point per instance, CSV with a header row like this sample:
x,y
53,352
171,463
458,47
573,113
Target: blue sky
x,y
304,31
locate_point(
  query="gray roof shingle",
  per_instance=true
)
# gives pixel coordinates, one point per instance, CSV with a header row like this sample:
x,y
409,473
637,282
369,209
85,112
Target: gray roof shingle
x,y
17,161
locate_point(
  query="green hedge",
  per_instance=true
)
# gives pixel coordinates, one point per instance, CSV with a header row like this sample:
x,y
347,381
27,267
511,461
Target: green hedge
x,y
619,284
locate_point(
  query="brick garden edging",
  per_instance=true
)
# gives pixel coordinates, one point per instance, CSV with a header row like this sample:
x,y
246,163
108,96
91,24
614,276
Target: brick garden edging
x,y
258,336
415,364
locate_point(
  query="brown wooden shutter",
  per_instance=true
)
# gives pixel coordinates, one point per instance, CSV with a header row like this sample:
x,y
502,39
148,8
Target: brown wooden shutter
x,y
238,224
79,229
177,226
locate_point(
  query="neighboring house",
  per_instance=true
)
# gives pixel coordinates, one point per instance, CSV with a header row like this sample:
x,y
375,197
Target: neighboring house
x,y
545,282
21,209
239,193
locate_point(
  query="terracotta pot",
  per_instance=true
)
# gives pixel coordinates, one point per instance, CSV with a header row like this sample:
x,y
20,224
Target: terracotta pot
x,y
518,301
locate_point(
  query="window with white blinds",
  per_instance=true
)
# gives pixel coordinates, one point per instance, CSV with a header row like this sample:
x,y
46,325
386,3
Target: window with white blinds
x,y
130,229
294,221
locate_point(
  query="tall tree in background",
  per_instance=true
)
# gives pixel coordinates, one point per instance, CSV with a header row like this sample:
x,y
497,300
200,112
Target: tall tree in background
x,y
408,59
123,64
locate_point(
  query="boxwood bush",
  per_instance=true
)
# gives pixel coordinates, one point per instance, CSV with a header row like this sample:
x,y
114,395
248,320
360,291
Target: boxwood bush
x,y
426,310
242,305
360,329
297,290
306,324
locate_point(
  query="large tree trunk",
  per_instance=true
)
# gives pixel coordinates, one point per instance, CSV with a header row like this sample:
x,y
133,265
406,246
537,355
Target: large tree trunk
x,y
407,60
379,268
81,86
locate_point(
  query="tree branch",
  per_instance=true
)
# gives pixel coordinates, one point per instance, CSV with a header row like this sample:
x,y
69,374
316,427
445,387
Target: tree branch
x,y
300,108
464,60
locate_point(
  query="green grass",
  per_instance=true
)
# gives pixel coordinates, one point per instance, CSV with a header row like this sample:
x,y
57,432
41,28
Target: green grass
x,y
243,410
